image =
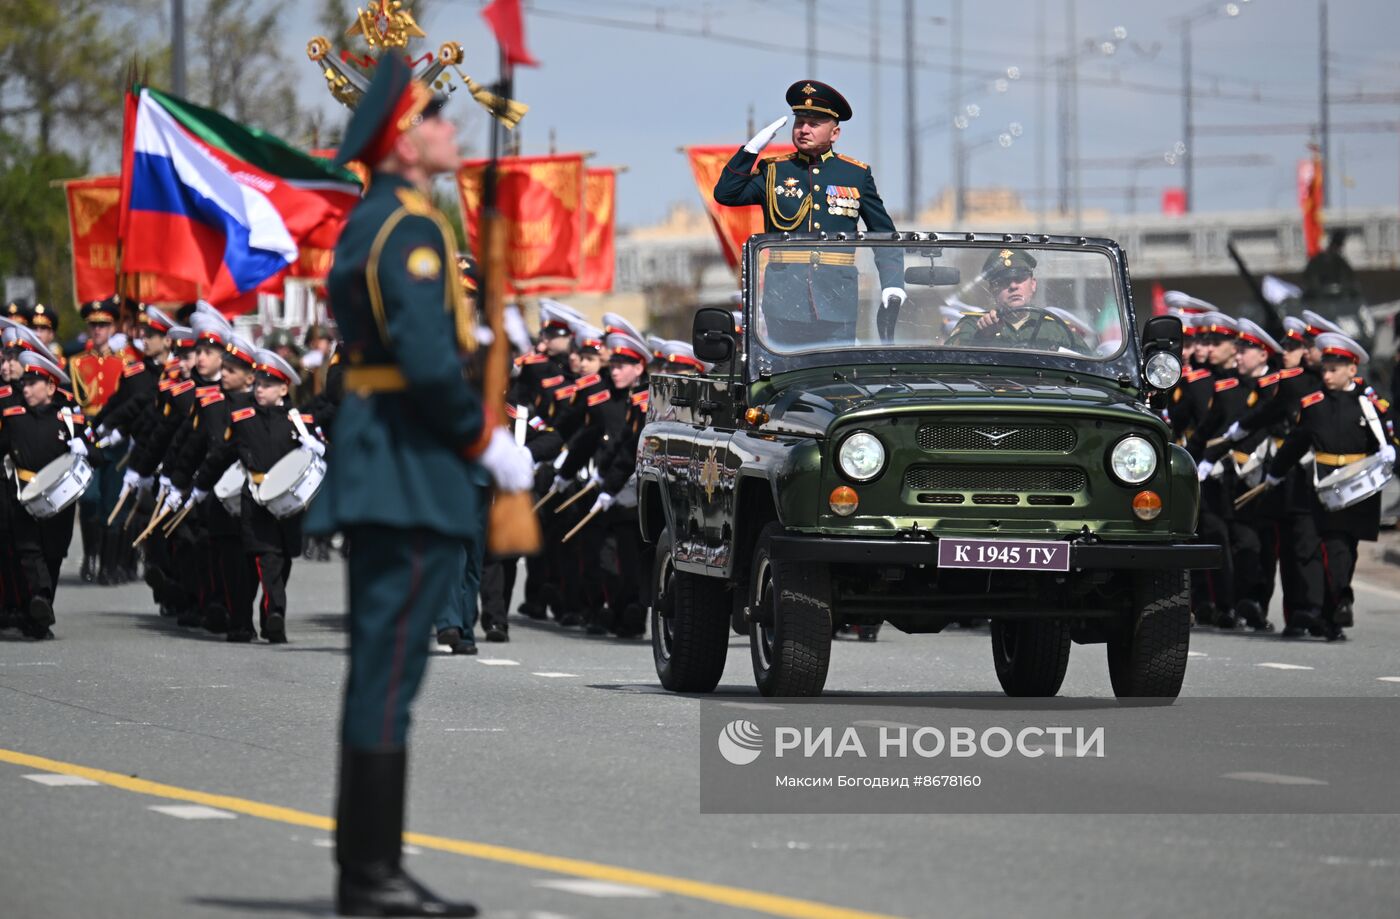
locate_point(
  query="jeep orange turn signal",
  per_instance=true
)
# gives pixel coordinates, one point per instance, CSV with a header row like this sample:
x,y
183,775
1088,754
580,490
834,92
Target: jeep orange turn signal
x,y
843,500
1147,505
756,417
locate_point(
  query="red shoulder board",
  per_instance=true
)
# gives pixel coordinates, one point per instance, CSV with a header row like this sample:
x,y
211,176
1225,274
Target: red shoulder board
x,y
638,398
243,414
79,418
14,410
1192,376
552,382
206,390
5,392
852,160
211,399
1311,399
166,384
591,380
131,370
180,389
1269,380
1227,383
306,418
598,398
529,359
1290,373
565,392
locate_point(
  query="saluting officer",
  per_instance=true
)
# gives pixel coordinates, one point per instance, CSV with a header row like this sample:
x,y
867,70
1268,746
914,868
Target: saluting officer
x,y
810,296
400,481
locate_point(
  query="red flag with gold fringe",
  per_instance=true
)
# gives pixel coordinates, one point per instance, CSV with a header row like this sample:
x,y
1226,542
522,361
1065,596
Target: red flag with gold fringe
x,y
540,199
1310,200
93,222
733,225
599,229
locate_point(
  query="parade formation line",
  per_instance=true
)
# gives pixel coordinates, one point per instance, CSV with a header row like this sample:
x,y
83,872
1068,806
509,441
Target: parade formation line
x,y
737,897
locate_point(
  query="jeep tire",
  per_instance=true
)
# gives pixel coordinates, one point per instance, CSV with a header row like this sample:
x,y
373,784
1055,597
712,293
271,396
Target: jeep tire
x,y
1030,655
1147,657
689,624
790,628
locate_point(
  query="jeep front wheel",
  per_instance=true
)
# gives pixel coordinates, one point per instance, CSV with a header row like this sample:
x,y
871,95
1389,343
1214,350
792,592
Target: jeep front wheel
x,y
1030,655
1147,657
790,622
689,624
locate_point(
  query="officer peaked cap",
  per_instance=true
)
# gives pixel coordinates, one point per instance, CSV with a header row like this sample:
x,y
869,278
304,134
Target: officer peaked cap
x,y
392,105
813,97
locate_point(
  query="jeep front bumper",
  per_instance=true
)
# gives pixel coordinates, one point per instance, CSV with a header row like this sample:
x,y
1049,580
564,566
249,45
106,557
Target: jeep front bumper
x,y
1084,556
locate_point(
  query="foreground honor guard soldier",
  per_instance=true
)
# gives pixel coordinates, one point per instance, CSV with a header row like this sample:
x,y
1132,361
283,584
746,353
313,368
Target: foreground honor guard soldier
x,y
814,190
41,428
400,479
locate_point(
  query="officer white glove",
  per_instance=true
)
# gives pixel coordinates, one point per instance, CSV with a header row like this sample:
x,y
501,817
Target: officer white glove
x,y
1388,453
1272,480
109,439
508,462
312,445
560,483
173,500
604,502
133,479
312,359
77,447
164,482
1235,432
892,296
765,137
1203,469
559,460
595,479
197,495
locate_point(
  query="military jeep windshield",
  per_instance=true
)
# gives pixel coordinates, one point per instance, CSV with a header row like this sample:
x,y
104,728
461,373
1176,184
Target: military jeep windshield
x,y
962,300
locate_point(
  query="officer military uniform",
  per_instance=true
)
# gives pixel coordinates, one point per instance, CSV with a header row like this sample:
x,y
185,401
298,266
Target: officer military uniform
x,y
96,374
1010,327
44,320
400,481
811,296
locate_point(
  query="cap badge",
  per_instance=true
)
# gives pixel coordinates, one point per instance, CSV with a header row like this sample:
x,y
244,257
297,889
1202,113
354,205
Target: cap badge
x,y
809,89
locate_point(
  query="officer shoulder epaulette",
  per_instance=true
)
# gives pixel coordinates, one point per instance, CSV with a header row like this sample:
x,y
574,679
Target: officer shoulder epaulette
x,y
179,389
1227,383
781,158
243,414
524,359
14,410
565,392
1290,373
210,399
598,398
551,382
1269,380
592,379
852,160
414,201
132,369
1311,399
1192,376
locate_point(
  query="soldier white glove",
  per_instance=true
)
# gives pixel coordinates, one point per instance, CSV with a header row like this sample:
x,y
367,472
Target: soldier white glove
x,y
508,462
1235,432
77,447
559,460
173,500
765,137
1272,480
110,439
1388,453
312,445
560,483
312,359
197,495
604,502
1203,469
134,479
892,296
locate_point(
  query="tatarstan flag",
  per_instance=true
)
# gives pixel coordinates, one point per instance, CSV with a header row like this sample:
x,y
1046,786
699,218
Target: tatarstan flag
x,y
220,204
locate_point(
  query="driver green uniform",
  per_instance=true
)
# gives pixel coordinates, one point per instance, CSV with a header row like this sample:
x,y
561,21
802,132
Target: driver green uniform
x,y
1013,322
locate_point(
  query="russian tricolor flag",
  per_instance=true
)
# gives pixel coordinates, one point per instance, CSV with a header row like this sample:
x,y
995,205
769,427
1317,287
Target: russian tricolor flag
x,y
220,204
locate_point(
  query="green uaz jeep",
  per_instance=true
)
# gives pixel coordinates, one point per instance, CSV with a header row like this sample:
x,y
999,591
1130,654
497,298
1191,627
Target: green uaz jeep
x,y
985,449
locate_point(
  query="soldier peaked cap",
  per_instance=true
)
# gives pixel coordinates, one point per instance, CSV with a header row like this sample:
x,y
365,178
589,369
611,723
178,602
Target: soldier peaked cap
x,y
44,317
23,337
274,365
104,310
206,328
36,364
808,97
628,348
392,105
158,321
1334,344
1005,261
1317,324
1252,334
612,322
1217,323
240,349
1295,329
1187,303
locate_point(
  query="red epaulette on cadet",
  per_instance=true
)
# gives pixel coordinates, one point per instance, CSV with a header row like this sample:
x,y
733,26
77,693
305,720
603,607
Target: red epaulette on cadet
x,y
1311,399
1227,383
852,160
592,379
132,369
206,390
598,398
179,389
1290,373
5,392
551,382
210,399
1192,376
14,410
78,418
243,414
1269,380
565,392
165,385
306,419
524,359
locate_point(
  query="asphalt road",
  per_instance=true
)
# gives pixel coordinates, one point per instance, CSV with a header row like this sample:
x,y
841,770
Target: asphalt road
x,y
552,778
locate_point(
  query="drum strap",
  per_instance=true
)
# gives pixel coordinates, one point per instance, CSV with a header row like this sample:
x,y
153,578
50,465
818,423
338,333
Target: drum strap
x,y
25,475
300,425
67,415
1373,421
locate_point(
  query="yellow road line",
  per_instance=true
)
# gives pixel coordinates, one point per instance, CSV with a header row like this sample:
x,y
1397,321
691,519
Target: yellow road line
x,y
756,901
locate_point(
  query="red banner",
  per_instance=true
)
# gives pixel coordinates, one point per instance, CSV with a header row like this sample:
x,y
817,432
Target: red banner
x,y
599,228
93,219
1310,200
733,225
540,199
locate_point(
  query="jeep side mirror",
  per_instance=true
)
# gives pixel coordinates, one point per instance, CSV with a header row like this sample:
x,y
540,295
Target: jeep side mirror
x,y
1162,333
712,335
1161,352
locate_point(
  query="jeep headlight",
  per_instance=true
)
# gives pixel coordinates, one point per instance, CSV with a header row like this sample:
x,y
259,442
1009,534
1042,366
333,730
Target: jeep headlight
x,y
1133,460
1163,370
861,456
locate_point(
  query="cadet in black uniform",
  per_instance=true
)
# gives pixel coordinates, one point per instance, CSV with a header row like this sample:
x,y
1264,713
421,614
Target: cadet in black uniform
x,y
33,434
1342,424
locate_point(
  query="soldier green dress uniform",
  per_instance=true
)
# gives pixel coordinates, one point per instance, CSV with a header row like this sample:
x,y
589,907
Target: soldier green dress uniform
x,y
811,296
400,482
1041,329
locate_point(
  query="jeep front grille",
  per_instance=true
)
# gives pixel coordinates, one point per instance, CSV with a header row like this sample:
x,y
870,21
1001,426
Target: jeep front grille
x,y
1037,479
1024,438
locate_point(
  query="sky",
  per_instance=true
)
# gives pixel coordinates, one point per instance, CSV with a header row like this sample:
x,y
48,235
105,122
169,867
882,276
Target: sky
x,y
613,84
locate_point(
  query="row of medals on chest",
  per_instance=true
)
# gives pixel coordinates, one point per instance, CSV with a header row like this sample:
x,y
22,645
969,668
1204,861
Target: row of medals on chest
x,y
842,202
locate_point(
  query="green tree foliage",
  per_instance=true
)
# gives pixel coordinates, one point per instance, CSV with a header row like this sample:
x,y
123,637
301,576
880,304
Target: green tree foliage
x,y
34,222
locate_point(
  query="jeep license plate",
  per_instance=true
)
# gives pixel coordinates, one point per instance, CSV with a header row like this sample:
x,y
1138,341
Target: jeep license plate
x,y
1020,555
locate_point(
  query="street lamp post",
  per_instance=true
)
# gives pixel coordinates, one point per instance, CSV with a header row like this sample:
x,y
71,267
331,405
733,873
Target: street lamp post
x,y
1185,23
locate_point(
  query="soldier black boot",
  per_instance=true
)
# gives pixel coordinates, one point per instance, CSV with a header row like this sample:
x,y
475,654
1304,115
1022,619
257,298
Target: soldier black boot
x,y
368,842
92,547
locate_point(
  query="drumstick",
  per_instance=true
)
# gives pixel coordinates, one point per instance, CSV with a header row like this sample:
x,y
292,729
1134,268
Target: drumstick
x,y
582,523
1250,495
581,492
1217,441
178,519
155,521
131,514
121,499
547,495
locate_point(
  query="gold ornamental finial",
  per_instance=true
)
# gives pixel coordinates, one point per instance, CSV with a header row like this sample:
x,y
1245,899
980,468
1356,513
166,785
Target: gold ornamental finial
x,y
386,24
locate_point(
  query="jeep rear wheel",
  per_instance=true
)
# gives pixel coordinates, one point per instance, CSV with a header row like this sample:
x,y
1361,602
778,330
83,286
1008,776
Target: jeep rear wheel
x,y
689,624
1030,655
1147,658
790,629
